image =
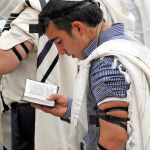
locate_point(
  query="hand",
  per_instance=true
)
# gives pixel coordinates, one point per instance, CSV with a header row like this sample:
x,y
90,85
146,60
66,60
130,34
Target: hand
x,y
60,108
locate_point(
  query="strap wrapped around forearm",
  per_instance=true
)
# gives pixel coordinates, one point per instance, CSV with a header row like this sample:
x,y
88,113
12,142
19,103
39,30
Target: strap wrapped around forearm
x,y
102,114
101,147
17,53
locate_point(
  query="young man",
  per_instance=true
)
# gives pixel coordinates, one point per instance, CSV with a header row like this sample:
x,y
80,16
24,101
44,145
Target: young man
x,y
78,29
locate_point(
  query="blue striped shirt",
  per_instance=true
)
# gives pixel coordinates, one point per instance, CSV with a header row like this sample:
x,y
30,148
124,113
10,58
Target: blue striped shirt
x,y
105,82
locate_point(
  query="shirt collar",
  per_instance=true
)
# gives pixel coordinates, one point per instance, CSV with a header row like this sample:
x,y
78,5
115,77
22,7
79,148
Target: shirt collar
x,y
114,30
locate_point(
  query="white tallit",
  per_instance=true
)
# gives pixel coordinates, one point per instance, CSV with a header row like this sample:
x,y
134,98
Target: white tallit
x,y
34,4
6,7
117,11
136,58
143,7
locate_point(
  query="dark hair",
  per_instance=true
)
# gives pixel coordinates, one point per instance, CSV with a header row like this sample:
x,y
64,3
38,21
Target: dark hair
x,y
62,13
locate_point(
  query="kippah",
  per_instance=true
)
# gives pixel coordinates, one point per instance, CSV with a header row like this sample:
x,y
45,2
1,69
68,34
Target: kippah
x,y
67,10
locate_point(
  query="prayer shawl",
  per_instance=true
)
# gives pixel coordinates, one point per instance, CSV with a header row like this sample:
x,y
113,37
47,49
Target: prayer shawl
x,y
114,11
6,7
136,58
117,11
143,7
35,4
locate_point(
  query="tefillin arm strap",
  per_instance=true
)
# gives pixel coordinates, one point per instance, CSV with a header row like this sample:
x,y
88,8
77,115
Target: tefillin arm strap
x,y
6,108
103,114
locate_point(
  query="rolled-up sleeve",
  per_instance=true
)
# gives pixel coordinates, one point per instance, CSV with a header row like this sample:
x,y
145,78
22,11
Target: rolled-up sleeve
x,y
67,115
108,82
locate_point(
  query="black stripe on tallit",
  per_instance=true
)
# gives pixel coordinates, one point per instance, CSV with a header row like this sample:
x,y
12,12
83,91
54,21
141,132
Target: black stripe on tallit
x,y
28,3
51,67
43,53
14,15
6,28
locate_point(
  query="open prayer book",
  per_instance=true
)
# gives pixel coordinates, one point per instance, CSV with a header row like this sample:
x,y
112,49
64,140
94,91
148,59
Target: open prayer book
x,y
37,92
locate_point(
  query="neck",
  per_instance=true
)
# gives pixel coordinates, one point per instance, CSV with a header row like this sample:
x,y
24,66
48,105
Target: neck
x,y
103,26
92,33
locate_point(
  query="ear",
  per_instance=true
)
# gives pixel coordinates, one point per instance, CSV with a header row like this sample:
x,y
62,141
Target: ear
x,y
78,27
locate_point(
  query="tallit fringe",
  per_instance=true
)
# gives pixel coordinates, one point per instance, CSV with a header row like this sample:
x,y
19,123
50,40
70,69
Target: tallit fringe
x,y
130,129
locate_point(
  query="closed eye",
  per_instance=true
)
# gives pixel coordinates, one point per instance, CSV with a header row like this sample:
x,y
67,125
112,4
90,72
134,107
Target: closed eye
x,y
59,42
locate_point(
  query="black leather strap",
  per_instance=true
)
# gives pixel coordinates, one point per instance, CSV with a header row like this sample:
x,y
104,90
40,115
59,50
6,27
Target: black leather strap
x,y
115,109
110,118
113,119
25,48
16,53
101,147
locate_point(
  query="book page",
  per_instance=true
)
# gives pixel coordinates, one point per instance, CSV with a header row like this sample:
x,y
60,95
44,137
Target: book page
x,y
39,90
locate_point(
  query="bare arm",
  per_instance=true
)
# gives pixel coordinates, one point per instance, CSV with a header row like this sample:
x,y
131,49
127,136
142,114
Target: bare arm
x,y
9,61
112,136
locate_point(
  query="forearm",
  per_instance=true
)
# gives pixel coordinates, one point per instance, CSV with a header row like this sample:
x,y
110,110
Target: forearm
x,y
18,33
9,61
6,62
113,136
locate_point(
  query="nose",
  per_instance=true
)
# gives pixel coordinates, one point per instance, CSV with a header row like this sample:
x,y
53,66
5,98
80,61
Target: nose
x,y
60,49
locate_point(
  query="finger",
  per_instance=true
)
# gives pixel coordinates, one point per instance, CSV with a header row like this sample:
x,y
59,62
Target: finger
x,y
36,106
50,110
54,97
43,108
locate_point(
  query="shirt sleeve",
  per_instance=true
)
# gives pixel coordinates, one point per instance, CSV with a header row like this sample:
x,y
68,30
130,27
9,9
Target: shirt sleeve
x,y
107,82
67,115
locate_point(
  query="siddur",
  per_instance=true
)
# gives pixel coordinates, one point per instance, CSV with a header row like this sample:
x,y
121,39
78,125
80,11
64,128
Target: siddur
x,y
37,92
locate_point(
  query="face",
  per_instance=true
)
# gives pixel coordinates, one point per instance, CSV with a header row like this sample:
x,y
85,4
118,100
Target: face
x,y
70,45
